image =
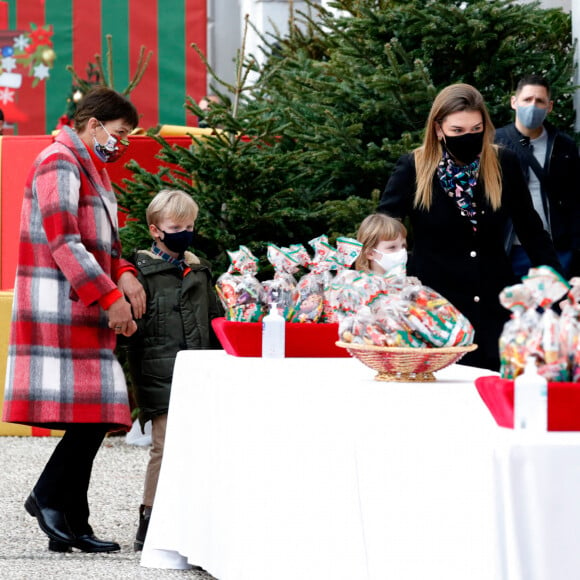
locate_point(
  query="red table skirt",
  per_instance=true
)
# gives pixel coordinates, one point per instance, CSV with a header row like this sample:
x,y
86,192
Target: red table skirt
x,y
563,403
302,339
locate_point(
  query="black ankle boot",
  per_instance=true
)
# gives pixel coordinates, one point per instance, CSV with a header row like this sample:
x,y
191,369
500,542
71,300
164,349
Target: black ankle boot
x,y
85,543
51,521
144,517
55,546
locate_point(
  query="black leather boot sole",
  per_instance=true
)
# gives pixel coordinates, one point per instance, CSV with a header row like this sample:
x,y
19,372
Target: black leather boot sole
x,y
55,546
86,543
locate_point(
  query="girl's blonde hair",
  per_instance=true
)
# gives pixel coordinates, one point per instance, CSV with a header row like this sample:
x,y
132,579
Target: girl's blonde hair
x,y
453,99
375,228
171,203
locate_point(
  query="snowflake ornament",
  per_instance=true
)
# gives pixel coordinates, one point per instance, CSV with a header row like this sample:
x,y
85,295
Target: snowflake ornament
x,y
8,63
41,72
6,96
21,42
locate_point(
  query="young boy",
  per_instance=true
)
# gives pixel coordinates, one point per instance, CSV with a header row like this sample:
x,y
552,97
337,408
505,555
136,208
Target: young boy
x,y
181,303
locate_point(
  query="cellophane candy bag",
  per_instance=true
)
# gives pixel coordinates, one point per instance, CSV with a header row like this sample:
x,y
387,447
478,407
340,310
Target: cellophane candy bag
x,y
391,316
353,328
347,252
309,293
344,296
570,329
280,289
548,287
513,341
241,293
407,315
434,319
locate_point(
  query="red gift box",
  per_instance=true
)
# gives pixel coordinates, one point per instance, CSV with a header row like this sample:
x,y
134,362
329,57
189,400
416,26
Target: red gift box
x,y
563,403
302,339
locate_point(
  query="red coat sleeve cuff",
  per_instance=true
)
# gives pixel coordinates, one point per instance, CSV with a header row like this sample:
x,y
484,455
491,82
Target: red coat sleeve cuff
x,y
122,266
108,299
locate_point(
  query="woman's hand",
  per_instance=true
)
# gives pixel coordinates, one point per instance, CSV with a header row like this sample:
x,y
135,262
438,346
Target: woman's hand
x,y
133,290
121,318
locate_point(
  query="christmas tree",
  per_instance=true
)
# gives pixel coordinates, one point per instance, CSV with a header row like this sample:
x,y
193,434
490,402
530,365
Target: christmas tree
x,y
98,74
307,148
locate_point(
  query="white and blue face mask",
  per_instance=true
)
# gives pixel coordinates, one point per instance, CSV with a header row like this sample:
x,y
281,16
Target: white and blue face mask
x,y
530,116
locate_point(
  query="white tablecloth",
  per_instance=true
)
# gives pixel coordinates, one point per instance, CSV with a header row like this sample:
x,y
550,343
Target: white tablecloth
x,y
310,469
538,502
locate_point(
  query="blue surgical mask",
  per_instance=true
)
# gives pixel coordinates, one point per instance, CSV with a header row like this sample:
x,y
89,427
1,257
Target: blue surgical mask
x,y
530,116
178,242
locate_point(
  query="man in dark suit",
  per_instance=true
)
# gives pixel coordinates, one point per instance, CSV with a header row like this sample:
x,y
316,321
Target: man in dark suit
x,y
550,161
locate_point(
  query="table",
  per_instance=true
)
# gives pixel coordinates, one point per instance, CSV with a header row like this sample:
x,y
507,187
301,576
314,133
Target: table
x,y
538,487
308,468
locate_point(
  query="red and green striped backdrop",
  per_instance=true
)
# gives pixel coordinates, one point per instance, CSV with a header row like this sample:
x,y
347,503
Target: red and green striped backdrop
x,y
167,27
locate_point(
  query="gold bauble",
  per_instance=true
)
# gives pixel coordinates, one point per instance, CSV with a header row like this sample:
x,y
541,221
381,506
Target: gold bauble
x,y
48,56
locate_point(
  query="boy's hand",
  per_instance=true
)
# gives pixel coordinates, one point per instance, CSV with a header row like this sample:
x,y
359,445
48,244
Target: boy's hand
x,y
132,329
133,290
121,318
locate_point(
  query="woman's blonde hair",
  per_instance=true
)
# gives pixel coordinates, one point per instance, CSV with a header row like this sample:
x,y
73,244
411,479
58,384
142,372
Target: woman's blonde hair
x,y
453,99
171,203
375,228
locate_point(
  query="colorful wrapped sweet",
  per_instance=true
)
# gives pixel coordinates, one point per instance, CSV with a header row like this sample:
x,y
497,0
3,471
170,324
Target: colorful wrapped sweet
x,y
411,316
353,328
280,289
391,313
309,296
513,342
344,296
544,342
240,292
574,296
347,251
434,319
570,329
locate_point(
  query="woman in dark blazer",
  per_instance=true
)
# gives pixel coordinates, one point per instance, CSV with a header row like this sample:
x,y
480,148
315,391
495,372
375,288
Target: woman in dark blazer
x,y
459,191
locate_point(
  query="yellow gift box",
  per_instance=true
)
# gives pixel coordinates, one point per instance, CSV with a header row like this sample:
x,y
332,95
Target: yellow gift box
x,y
12,429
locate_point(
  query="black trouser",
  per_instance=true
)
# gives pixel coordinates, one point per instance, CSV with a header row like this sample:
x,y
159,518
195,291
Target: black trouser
x,y
64,482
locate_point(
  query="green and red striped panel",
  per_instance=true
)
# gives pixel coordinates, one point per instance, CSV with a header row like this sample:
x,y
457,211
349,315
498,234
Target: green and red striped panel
x,y
167,27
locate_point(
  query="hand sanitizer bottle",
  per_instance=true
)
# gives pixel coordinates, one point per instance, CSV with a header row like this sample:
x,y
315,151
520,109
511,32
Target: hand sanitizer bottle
x,y
273,334
531,399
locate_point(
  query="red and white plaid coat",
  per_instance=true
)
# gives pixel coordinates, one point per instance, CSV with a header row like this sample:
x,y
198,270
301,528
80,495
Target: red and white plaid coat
x,y
61,366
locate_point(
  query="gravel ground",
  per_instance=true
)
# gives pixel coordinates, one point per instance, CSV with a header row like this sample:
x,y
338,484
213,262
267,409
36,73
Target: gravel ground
x,y
114,497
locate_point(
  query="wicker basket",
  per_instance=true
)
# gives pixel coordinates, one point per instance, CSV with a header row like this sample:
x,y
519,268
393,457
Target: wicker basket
x,y
405,364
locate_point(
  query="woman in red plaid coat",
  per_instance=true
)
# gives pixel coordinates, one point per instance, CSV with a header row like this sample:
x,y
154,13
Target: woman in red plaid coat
x,y
69,304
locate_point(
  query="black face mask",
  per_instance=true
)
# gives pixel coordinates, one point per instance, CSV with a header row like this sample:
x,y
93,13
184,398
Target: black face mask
x,y
464,147
178,242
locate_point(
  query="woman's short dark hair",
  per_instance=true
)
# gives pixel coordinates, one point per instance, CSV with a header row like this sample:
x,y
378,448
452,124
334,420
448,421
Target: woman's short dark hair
x,y
105,105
